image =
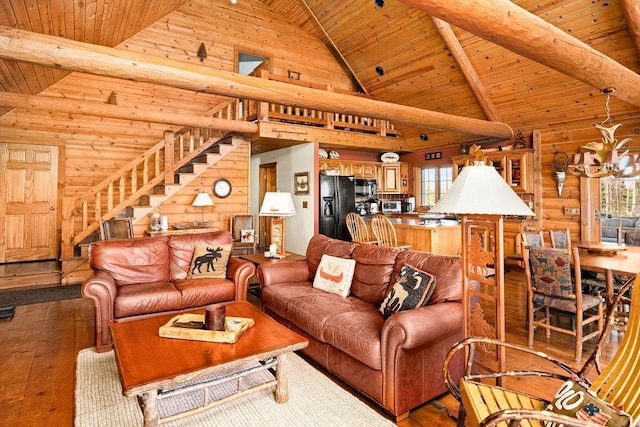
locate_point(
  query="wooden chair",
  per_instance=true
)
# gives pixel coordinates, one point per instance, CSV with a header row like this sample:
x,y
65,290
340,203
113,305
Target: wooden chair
x,y
554,284
116,228
533,239
560,239
385,232
358,229
484,404
238,223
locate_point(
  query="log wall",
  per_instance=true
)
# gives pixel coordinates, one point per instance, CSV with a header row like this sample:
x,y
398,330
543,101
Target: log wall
x,y
553,206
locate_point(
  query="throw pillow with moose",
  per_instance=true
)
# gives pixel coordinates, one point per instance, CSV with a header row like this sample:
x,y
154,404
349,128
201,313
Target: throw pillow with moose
x,y
209,261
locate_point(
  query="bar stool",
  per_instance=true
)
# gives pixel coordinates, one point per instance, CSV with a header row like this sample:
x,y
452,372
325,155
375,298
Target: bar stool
x,y
385,232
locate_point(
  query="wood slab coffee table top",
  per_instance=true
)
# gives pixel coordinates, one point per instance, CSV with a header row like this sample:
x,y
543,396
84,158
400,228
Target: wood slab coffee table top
x,y
149,362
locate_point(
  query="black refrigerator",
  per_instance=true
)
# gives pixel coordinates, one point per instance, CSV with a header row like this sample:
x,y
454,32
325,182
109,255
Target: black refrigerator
x,y
337,199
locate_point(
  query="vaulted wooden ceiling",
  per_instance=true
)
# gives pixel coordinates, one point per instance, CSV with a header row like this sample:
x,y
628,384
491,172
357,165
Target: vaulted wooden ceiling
x,y
420,68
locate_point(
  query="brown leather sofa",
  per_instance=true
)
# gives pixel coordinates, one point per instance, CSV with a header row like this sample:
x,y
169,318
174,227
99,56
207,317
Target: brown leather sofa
x,y
397,362
141,277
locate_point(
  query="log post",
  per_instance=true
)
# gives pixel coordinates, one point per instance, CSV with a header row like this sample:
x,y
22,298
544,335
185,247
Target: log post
x,y
169,150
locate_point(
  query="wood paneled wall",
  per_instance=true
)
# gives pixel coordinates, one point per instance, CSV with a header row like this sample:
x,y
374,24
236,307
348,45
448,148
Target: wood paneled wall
x,y
178,209
97,147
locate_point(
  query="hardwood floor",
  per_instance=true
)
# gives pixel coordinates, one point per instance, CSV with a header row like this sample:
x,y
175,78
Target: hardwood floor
x,y
38,349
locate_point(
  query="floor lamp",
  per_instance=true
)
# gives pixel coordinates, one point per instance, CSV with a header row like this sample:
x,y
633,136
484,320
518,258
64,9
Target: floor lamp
x,y
278,205
482,197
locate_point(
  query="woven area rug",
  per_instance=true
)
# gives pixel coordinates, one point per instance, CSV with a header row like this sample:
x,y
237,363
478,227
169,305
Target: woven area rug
x,y
314,400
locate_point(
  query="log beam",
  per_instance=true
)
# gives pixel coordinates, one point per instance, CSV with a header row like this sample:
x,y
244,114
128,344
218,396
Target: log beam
x,y
631,9
508,25
469,73
56,52
93,108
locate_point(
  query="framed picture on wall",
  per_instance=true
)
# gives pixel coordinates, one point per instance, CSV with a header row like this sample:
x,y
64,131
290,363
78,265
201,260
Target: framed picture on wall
x,y
301,183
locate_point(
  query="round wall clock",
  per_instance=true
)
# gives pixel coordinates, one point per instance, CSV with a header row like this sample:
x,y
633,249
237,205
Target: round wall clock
x,y
221,188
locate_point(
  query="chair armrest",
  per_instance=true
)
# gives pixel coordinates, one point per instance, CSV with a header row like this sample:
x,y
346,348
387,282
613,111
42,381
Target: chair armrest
x,y
469,344
101,288
413,328
240,271
283,272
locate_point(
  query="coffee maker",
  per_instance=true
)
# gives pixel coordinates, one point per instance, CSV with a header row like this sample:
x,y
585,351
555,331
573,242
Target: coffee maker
x,y
409,204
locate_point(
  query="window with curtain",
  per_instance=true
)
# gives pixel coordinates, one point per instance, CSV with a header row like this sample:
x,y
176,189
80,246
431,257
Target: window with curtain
x,y
434,183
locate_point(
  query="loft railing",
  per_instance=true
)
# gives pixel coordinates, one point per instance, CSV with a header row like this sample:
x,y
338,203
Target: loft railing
x,y
256,110
81,215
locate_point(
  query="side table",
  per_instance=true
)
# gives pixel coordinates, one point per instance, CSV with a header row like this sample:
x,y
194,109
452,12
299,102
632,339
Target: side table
x,y
259,258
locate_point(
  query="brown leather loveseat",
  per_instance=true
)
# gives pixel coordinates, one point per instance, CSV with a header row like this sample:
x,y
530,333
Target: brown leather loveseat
x,y
141,277
396,361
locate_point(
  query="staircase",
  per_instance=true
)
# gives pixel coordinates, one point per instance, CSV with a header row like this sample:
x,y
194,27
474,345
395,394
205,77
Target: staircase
x,y
139,187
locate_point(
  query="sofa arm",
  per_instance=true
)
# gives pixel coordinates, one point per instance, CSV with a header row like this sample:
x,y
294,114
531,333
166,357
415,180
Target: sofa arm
x,y
283,272
239,272
101,288
413,328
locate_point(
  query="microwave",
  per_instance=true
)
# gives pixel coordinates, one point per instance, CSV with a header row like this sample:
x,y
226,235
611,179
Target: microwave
x,y
366,188
392,206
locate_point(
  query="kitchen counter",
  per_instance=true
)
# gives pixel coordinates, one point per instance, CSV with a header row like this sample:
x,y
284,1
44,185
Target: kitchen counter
x,y
443,239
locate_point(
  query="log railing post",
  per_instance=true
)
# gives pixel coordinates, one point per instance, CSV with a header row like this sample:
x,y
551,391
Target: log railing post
x,y
169,149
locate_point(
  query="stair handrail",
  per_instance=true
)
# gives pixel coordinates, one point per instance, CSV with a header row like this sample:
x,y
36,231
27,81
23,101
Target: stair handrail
x,y
180,155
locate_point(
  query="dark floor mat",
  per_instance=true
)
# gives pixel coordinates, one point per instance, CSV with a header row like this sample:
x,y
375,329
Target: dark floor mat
x,y
35,296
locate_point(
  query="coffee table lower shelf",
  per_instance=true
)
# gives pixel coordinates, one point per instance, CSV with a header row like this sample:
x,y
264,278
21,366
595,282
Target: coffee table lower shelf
x,y
149,401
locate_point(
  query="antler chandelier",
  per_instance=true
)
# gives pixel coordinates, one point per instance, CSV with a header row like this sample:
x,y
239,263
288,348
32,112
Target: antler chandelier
x,y
603,158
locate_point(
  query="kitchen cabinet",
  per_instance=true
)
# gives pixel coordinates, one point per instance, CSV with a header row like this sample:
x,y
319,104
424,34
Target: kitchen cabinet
x,y
394,178
365,170
515,167
390,178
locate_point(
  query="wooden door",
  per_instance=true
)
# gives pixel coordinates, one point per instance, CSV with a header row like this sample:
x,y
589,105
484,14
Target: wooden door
x,y
268,182
28,202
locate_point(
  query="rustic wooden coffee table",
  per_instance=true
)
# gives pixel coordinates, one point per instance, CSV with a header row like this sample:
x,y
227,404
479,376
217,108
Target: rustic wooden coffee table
x,y
150,365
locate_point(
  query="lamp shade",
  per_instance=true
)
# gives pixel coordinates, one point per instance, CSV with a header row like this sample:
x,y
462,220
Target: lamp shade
x,y
202,199
277,204
479,189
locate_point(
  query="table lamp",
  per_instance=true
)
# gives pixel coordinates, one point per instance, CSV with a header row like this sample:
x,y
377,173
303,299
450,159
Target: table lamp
x,y
278,205
482,197
202,199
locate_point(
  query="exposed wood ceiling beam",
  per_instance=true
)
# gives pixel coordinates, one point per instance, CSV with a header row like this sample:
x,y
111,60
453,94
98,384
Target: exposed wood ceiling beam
x,y
332,46
454,46
72,55
508,25
93,108
631,9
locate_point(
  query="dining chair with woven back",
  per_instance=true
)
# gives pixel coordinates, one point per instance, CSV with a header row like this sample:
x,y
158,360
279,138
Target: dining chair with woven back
x,y
554,282
485,402
358,229
533,238
560,239
385,233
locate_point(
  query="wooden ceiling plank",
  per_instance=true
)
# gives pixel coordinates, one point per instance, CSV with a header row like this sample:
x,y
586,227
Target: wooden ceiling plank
x,y
121,112
506,24
83,57
333,48
631,9
473,80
